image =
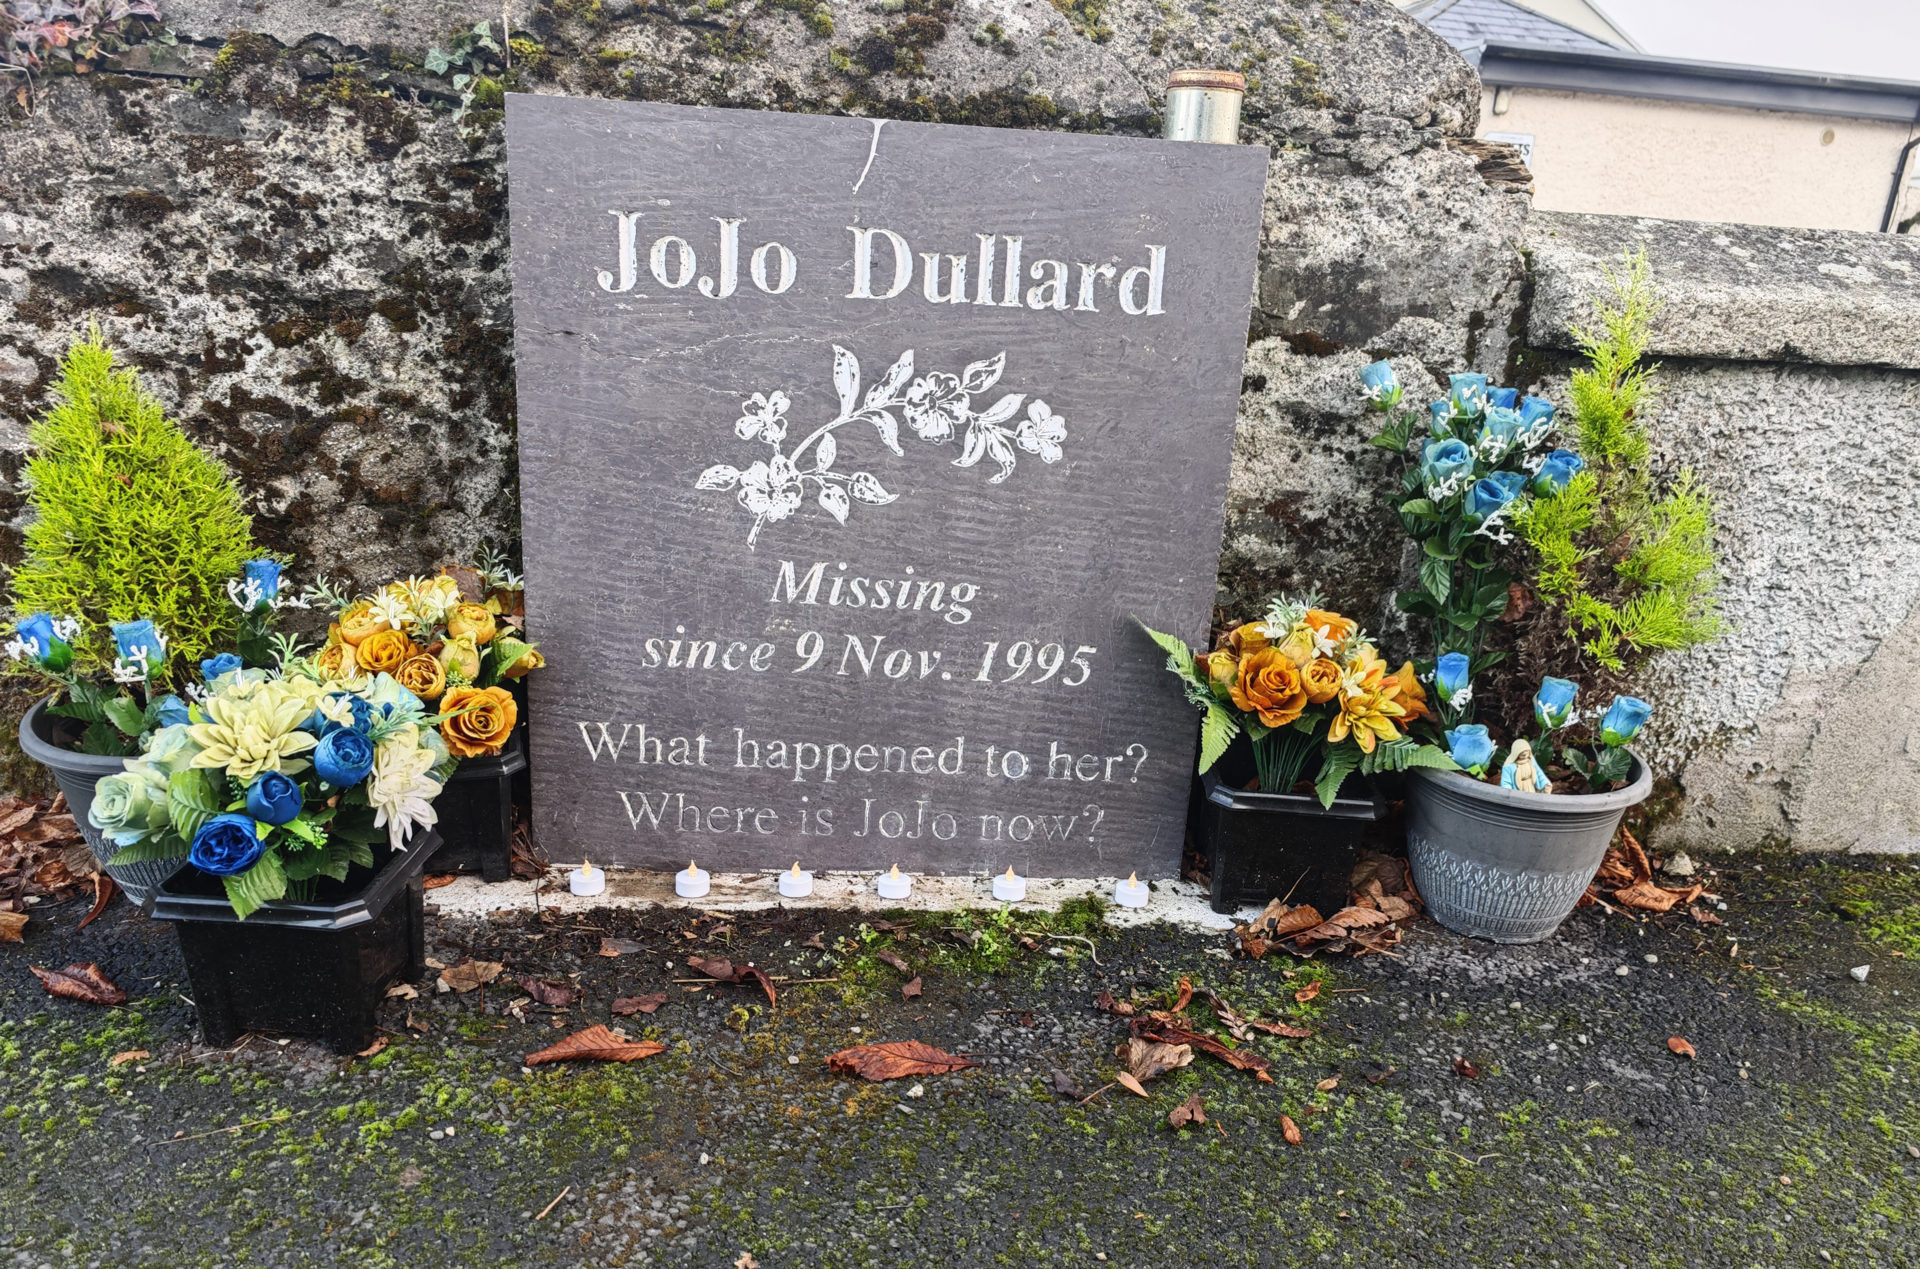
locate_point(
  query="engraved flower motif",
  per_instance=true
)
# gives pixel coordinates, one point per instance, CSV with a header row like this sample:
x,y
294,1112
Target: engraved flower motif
x,y
763,416
934,405
1041,432
771,490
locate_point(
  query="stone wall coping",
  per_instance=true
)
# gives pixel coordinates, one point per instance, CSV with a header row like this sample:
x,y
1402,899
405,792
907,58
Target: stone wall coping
x,y
1737,292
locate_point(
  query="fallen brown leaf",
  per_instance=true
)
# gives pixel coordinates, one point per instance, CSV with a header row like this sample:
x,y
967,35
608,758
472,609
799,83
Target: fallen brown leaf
x,y
103,890
1327,1085
910,988
894,959
1307,993
554,995
746,1261
11,925
596,1044
434,881
816,940
619,947
1465,1068
82,981
1185,996
1377,1077
402,991
895,1060
1290,1130
1703,917
1169,1033
469,974
1280,1029
626,1005
1147,1059
727,972
1106,1003
379,1043
1190,1111
1681,1047
130,1055
1131,1084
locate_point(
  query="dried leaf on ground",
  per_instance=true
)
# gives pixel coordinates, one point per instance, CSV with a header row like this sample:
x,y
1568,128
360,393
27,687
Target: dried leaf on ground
x,y
817,940
596,1044
1703,917
1107,1004
1367,925
129,1055
469,974
103,892
1274,923
626,1005
1147,1059
1626,877
1188,1112
83,981
746,1261
1290,1130
1378,1077
910,988
41,851
1169,1033
619,947
379,1043
402,991
553,994
1131,1084
1464,1068
11,925
1681,1047
1184,996
1327,1085
894,959
1284,1029
434,881
895,1060
727,972
1064,1085
1307,993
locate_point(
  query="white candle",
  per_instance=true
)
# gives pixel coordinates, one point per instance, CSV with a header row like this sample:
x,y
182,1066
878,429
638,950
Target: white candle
x,y
693,883
1008,887
1131,893
796,884
895,884
586,879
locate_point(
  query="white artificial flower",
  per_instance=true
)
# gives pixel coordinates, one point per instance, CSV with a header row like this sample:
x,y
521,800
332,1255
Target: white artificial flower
x,y
66,628
247,594
401,789
397,611
18,648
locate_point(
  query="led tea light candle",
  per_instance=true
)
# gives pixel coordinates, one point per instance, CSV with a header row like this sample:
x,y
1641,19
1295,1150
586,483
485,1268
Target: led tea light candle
x,y
795,884
895,884
1008,887
1131,893
586,879
693,883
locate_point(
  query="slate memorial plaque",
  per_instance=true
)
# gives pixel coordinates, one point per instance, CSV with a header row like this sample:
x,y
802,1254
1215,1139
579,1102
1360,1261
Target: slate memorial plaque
x,y
849,452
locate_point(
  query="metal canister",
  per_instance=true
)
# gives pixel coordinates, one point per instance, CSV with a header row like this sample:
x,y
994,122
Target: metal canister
x,y
1204,105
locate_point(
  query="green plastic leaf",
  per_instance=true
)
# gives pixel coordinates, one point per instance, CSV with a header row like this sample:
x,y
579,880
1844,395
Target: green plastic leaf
x,y
124,714
1334,772
105,741
84,701
331,859
1421,507
305,830
258,885
360,854
1217,731
191,801
156,846
1436,578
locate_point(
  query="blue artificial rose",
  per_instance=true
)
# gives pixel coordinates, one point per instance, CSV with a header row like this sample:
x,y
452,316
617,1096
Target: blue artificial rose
x,y
1555,473
1443,460
1502,426
1439,414
1553,703
266,573
140,642
213,667
1380,382
1503,397
343,757
1623,721
1492,492
274,797
1470,747
168,711
1469,392
1535,410
1451,676
226,845
40,640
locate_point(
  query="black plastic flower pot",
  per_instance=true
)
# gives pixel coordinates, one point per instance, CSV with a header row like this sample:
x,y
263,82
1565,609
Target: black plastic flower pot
x,y
314,970
42,739
476,814
1261,846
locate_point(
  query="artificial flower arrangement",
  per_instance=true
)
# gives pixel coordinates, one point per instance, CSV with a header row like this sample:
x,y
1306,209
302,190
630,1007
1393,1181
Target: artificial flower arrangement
x,y
277,778
1313,696
451,639
1485,462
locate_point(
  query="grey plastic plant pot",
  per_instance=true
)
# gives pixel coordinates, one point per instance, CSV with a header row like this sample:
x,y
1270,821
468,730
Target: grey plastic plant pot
x,y
1503,865
76,774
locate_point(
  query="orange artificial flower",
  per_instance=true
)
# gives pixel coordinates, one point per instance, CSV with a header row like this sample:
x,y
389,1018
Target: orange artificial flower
x,y
1412,696
1269,687
1321,678
482,720
383,651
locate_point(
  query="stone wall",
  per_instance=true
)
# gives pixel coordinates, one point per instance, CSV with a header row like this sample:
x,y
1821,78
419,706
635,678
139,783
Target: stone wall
x,y
298,231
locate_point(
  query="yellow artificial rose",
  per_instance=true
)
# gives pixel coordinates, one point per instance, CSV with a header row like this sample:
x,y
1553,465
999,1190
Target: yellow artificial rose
x,y
472,619
1298,647
460,659
1269,687
482,720
1321,678
425,677
514,658
361,620
336,662
384,651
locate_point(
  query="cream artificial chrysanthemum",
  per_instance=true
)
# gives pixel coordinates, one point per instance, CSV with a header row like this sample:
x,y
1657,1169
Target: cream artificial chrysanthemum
x,y
401,789
253,729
